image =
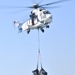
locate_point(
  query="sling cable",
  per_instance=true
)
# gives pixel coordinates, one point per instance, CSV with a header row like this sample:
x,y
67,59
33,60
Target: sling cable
x,y
36,71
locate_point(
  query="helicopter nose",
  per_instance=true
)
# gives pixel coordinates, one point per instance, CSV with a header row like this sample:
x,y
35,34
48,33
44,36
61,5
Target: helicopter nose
x,y
50,17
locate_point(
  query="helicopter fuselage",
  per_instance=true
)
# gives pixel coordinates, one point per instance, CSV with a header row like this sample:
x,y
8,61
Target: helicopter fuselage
x,y
41,19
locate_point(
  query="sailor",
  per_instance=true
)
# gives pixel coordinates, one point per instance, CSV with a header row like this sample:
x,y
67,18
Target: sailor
x,y
33,17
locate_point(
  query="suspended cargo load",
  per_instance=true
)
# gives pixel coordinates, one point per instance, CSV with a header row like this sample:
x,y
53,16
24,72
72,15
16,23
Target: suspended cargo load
x,y
43,72
39,61
35,72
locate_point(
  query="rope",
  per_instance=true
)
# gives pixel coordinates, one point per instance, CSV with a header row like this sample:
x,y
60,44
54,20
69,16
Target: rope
x,y
39,53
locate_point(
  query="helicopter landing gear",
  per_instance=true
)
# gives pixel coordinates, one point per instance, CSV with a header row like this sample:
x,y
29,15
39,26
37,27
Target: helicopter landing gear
x,y
20,30
47,26
28,31
42,30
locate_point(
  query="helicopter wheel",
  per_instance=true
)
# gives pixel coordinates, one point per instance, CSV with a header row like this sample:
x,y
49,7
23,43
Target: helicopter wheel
x,y
47,26
42,30
28,31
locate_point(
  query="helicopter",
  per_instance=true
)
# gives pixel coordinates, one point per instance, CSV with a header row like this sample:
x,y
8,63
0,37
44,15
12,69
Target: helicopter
x,y
40,18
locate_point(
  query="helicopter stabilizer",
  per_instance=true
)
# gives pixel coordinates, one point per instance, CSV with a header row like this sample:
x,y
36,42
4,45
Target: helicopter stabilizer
x,y
17,24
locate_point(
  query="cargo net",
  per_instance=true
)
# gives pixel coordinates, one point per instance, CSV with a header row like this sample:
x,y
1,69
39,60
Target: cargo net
x,y
41,72
37,71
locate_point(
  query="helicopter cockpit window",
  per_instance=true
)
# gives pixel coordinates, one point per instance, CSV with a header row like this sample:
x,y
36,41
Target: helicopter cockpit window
x,y
46,12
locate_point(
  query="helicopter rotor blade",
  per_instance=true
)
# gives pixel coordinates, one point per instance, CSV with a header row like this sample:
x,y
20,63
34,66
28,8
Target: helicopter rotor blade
x,y
12,7
53,3
34,6
51,7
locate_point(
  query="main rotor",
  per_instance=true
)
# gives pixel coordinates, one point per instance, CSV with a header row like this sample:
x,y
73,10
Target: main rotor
x,y
35,6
